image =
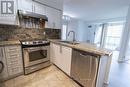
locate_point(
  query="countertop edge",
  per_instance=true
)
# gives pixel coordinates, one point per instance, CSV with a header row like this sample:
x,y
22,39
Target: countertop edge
x,y
78,48
8,43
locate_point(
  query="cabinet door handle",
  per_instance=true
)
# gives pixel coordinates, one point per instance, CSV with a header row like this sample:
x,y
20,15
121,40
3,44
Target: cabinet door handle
x,y
60,49
87,55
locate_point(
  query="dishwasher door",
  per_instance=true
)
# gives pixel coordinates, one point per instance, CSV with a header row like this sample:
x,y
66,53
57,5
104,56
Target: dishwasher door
x,y
84,68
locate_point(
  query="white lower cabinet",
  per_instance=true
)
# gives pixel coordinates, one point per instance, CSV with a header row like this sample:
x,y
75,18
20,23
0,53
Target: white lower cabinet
x,y
61,57
4,73
11,57
14,60
8,16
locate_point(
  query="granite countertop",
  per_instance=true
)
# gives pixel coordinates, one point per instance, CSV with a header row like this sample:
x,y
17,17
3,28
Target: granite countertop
x,y
86,47
12,42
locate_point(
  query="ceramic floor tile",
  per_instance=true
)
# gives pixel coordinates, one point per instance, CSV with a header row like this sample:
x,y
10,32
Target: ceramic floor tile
x,y
9,83
61,76
47,77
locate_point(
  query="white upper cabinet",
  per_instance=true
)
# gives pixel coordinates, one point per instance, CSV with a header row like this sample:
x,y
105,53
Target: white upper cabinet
x,y
57,19
31,6
58,4
50,8
49,14
54,18
26,5
4,73
9,16
39,8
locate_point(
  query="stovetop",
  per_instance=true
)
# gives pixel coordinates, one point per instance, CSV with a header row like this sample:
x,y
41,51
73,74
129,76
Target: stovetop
x,y
33,43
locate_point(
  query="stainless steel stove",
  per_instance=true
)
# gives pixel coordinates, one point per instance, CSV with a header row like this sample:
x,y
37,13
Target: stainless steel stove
x,y
36,55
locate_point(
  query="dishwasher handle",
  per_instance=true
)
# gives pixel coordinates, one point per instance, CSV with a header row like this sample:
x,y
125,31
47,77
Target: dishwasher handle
x,y
83,55
86,55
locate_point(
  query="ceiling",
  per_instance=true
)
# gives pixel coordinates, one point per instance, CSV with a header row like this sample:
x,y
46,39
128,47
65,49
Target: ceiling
x,y
90,10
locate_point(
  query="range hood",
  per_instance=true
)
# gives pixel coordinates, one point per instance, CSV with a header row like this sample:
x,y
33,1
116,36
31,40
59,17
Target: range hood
x,y
32,14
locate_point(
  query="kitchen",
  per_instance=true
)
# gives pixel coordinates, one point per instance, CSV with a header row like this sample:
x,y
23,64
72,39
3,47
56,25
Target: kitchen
x,y
35,50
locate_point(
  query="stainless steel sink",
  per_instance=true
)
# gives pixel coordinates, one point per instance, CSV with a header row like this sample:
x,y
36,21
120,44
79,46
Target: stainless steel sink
x,y
70,42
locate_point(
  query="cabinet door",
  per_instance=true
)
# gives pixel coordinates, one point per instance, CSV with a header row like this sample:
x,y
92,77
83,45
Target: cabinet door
x,y
66,59
61,56
49,14
58,4
26,5
4,73
39,8
9,18
54,18
57,19
14,60
55,54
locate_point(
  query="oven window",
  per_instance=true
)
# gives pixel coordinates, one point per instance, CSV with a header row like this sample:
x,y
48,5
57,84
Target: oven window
x,y
37,55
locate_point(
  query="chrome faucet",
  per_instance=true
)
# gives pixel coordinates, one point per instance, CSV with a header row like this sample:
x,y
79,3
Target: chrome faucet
x,y
73,35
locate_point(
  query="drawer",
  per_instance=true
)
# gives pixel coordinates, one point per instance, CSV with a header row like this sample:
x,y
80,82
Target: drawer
x,y
14,62
13,55
15,70
13,51
13,48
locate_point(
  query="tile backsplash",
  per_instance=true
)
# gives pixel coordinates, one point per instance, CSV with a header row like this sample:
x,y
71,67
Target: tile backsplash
x,y
11,32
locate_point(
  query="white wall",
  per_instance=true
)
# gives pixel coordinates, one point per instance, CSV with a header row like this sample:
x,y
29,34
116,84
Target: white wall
x,y
119,19
72,26
83,32
86,33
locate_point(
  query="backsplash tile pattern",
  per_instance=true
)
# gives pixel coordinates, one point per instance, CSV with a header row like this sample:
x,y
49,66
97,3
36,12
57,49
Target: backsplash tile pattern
x,y
53,33
10,32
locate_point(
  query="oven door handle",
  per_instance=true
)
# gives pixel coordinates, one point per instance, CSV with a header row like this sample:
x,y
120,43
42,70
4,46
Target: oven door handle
x,y
31,50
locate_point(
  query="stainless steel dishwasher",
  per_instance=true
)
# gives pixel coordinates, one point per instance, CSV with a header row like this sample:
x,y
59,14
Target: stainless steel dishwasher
x,y
84,68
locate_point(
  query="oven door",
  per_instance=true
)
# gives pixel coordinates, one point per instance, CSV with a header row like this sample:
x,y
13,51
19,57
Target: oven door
x,y
36,55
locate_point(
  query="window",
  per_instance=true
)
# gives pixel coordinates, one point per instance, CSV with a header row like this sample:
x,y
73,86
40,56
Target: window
x,y
113,36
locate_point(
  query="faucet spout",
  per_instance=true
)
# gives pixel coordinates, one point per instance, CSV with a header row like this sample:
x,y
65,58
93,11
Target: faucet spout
x,y
73,35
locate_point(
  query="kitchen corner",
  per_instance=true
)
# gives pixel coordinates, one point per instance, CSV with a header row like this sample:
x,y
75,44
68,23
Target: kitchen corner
x,y
32,53
63,55
82,58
